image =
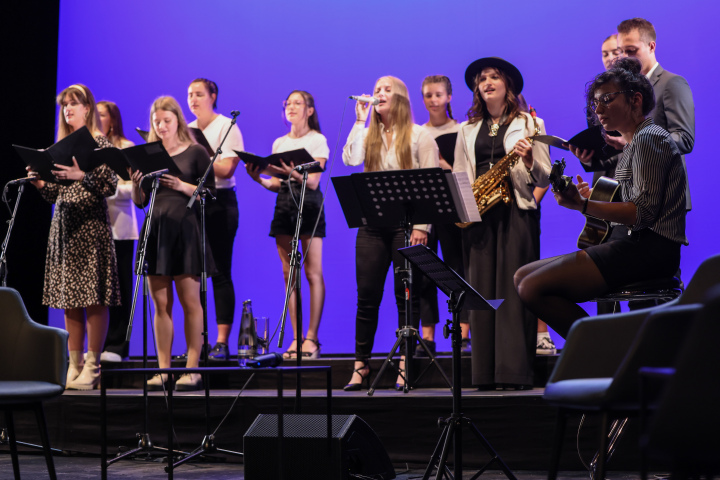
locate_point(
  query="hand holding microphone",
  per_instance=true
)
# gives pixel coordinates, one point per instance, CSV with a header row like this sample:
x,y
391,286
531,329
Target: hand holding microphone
x,y
362,107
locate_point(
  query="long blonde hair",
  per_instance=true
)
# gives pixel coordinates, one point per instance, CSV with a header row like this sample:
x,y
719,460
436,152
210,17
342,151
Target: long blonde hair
x,y
402,123
169,104
81,94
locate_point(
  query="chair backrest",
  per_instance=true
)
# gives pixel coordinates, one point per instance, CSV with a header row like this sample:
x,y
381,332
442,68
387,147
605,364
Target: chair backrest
x,y
596,346
684,430
657,344
706,276
28,350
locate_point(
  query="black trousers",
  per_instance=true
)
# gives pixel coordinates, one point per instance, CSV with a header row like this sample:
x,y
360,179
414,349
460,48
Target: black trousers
x,y
503,342
222,224
375,250
120,316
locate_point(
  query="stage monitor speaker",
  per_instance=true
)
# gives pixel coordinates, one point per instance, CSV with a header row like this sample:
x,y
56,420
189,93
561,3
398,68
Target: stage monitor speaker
x,y
353,449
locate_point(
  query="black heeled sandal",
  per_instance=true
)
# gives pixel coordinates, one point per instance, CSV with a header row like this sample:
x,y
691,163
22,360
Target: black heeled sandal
x,y
290,354
401,386
353,387
315,353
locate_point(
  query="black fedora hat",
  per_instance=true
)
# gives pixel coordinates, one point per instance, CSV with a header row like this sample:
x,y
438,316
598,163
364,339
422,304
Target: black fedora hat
x,y
494,62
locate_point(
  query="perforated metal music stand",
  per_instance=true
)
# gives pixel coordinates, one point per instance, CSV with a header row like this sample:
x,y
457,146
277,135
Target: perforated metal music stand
x,y
461,295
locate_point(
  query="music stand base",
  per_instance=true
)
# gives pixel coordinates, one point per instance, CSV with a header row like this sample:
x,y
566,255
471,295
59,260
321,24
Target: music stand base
x,y
409,334
207,447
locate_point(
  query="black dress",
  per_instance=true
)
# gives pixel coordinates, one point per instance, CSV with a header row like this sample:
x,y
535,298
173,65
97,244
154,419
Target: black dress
x,y
174,242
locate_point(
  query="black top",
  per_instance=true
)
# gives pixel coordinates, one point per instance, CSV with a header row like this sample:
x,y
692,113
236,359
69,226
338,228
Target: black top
x,y
174,243
488,149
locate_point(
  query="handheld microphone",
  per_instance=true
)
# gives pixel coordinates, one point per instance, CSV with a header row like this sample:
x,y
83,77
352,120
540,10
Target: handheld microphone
x,y
153,175
20,181
365,99
307,166
268,360
235,113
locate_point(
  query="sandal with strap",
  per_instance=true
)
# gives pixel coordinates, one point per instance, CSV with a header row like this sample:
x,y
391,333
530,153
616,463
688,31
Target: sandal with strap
x,y
291,353
315,353
353,387
401,371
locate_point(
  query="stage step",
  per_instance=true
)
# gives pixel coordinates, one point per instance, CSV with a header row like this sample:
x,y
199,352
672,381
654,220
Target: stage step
x,y
342,368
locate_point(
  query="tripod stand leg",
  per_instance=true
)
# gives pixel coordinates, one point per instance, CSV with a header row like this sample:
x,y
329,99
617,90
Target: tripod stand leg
x,y
433,361
387,361
488,448
442,469
435,458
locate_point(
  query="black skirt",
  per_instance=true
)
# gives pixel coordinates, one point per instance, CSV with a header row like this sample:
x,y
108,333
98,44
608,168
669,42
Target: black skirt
x,y
286,212
642,255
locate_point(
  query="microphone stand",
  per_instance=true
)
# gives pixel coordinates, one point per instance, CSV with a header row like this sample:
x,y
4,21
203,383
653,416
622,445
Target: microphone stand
x,y
144,442
293,282
4,437
208,442
6,241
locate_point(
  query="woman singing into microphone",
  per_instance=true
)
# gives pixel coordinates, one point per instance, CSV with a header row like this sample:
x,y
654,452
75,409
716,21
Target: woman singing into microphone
x,y
503,342
304,133
80,270
391,142
174,253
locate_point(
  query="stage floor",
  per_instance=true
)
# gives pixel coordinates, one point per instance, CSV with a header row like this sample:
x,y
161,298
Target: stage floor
x,y
32,467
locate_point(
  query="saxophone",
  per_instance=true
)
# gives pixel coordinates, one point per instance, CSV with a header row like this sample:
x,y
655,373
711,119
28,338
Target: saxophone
x,y
493,186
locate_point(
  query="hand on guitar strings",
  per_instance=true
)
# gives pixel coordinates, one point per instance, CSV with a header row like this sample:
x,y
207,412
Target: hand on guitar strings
x,y
570,197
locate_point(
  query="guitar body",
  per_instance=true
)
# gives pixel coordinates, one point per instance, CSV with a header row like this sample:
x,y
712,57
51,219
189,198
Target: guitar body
x,y
596,231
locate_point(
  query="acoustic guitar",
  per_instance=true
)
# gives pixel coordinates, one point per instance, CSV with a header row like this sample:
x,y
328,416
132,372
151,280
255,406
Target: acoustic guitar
x,y
596,230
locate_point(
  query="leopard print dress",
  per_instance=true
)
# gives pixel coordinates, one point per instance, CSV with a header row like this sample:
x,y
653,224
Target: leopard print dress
x,y
80,266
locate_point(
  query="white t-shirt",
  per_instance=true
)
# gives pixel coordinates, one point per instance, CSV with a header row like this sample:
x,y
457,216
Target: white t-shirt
x,y
121,209
214,134
313,141
450,127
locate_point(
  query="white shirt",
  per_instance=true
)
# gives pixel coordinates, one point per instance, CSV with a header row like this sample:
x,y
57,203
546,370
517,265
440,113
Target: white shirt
x,y
424,152
313,141
652,70
450,127
214,134
123,221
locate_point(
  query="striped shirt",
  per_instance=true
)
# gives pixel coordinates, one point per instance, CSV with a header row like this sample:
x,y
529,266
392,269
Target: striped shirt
x,y
651,176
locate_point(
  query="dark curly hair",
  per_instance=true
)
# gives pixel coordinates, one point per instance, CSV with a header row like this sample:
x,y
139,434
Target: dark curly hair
x,y
626,73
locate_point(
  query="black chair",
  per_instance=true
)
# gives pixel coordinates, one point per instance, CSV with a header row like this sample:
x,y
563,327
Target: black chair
x,y
28,380
588,379
590,376
684,434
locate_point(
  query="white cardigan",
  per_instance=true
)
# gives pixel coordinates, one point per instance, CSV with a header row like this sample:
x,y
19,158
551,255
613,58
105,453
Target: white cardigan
x,y
523,181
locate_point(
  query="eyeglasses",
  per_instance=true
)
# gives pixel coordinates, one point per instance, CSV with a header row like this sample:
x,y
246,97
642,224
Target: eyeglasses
x,y
297,103
606,99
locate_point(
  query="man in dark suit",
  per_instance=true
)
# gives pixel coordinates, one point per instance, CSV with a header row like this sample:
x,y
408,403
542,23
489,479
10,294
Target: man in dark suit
x,y
674,106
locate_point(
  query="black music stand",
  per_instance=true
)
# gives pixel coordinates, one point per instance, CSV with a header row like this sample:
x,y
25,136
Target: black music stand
x,y
402,198
461,295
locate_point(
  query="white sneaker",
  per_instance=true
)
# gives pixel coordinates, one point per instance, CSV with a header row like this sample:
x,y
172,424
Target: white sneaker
x,y
545,346
110,357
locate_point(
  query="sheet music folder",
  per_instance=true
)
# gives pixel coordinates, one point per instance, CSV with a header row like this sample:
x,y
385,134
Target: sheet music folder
x,y
445,278
79,144
296,157
148,158
589,139
428,195
446,145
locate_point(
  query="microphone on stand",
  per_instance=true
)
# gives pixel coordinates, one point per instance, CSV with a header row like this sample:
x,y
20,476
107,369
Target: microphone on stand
x,y
365,99
20,181
235,113
153,175
306,166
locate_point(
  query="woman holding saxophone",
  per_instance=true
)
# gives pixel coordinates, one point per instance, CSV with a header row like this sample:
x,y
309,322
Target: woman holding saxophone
x,y
496,134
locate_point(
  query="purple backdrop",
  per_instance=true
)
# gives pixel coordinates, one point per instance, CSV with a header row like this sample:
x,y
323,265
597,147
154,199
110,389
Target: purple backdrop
x,y
133,51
